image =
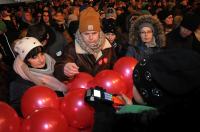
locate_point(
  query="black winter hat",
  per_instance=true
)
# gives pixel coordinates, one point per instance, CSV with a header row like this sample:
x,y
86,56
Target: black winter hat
x,y
163,14
168,76
109,26
191,21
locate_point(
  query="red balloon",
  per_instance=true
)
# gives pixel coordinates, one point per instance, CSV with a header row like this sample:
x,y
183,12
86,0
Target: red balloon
x,y
125,66
109,80
9,120
78,113
38,97
80,81
45,120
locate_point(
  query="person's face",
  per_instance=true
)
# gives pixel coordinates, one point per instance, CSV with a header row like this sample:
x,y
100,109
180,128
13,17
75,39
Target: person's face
x,y
169,20
146,34
37,61
184,2
5,13
184,32
90,37
28,16
45,17
111,37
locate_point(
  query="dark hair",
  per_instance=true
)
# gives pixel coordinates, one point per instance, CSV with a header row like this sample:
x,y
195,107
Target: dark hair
x,y
38,31
33,53
50,17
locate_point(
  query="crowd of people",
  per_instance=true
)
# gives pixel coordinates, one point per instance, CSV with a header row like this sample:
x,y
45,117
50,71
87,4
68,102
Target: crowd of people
x,y
49,42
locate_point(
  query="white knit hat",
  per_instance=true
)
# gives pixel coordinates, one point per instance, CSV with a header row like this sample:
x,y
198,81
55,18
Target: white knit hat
x,y
25,45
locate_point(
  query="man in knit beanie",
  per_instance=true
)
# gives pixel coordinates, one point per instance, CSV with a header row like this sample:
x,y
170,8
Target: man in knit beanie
x,y
91,51
89,20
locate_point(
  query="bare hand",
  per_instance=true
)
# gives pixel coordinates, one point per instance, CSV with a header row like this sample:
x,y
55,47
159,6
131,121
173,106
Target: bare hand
x,y
71,69
126,99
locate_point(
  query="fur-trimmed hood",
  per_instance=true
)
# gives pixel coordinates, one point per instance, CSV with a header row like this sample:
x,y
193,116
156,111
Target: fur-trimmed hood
x,y
134,33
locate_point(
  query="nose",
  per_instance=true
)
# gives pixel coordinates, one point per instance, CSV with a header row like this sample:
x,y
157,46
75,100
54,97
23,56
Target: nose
x,y
40,57
90,37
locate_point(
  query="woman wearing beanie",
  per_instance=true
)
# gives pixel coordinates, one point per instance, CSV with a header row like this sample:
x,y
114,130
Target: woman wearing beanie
x,y
34,67
91,51
146,37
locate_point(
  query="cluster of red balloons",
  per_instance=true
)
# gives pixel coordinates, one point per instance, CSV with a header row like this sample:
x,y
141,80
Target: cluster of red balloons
x,y
9,120
78,113
44,111
38,97
125,66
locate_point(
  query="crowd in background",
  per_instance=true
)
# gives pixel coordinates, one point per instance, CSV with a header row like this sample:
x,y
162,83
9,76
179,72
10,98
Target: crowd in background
x,y
172,24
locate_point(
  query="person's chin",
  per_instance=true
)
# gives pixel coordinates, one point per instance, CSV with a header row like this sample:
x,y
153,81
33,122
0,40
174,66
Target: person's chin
x,y
92,44
41,66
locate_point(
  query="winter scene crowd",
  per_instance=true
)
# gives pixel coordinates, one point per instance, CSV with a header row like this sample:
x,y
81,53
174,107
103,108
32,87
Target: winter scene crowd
x,y
146,53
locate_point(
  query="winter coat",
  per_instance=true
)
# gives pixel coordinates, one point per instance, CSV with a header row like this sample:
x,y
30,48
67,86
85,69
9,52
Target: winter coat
x,y
137,48
4,81
196,44
86,62
174,40
16,90
56,44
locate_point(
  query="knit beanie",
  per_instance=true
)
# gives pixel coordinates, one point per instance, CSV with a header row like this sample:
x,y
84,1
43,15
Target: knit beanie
x,y
191,21
168,76
109,26
145,24
25,45
89,20
111,13
163,14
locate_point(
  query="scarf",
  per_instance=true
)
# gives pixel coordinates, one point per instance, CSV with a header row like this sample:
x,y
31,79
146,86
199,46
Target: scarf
x,y
42,77
91,49
152,43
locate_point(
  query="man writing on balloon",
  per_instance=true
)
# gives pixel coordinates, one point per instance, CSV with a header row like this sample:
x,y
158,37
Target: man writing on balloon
x,y
91,51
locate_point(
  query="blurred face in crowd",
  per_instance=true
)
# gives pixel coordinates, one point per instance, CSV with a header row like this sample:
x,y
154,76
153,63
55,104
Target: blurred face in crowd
x,y
90,37
45,17
146,34
169,20
184,2
5,13
111,37
37,61
28,16
184,32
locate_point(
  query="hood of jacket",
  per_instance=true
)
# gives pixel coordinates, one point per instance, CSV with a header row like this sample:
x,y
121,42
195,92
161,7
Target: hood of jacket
x,y
134,32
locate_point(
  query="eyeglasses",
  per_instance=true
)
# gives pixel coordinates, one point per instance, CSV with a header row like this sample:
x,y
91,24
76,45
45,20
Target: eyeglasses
x,y
147,32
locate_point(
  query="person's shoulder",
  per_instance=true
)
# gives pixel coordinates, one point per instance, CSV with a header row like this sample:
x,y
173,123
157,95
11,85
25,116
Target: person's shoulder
x,y
19,81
